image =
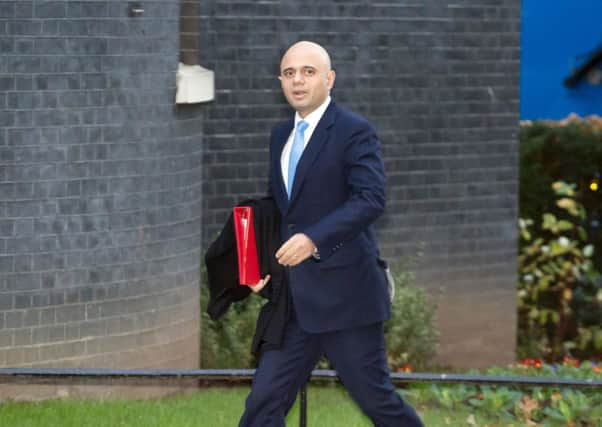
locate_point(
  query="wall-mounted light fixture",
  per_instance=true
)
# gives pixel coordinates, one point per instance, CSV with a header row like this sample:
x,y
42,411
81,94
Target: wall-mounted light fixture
x,y
194,83
135,10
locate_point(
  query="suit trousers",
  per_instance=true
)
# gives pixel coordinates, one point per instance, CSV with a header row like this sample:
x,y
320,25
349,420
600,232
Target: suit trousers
x,y
357,354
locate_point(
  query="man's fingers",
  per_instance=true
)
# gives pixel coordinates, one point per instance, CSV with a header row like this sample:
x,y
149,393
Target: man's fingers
x,y
286,246
288,259
295,250
261,284
286,250
287,255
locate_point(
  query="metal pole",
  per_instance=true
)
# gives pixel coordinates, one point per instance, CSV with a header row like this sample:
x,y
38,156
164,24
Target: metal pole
x,y
303,406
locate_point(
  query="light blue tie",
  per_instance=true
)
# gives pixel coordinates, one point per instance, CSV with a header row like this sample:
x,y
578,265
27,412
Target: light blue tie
x,y
296,151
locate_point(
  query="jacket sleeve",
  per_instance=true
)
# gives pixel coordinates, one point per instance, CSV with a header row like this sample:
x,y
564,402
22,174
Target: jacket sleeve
x,y
366,181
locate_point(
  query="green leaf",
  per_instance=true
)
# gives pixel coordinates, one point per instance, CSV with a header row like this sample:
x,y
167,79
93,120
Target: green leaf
x,y
562,188
588,251
549,221
564,225
565,410
598,339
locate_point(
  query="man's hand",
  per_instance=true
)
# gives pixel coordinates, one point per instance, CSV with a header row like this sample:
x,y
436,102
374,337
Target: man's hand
x,y
295,250
261,284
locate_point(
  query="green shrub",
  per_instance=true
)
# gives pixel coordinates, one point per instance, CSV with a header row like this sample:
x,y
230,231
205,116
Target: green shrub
x,y
570,151
226,343
559,292
410,334
525,406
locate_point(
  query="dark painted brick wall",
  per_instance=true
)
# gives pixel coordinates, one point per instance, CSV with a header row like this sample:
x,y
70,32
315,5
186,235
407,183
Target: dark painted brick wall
x,y
439,80
100,184
100,176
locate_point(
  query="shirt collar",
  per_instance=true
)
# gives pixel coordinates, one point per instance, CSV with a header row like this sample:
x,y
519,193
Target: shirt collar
x,y
314,117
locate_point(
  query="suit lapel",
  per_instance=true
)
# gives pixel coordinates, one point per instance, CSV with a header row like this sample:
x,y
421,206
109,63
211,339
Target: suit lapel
x,y
282,196
313,148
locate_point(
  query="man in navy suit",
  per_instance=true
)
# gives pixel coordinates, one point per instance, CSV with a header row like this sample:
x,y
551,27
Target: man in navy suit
x,y
327,178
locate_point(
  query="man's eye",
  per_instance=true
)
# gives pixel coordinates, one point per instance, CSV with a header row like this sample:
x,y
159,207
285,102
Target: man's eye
x,y
288,73
309,71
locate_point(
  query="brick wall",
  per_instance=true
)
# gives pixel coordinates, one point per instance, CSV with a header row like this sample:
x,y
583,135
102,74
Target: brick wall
x,y
100,184
100,175
440,83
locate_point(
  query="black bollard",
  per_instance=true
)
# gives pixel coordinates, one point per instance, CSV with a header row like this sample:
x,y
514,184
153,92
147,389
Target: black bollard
x,y
303,406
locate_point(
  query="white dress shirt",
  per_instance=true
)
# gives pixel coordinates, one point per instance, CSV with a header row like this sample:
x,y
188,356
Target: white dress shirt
x,y
312,120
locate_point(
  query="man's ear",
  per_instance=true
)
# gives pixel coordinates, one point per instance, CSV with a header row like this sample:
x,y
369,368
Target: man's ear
x,y
331,76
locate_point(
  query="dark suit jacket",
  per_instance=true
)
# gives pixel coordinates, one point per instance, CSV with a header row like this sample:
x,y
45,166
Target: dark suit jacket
x,y
223,280
338,192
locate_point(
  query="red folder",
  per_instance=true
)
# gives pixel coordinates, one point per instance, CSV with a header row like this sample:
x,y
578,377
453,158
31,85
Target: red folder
x,y
248,264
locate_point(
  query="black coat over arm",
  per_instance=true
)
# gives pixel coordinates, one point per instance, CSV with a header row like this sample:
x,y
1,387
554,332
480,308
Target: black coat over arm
x,y
222,271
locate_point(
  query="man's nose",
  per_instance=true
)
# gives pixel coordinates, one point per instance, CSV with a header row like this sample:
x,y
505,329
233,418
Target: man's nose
x,y
298,77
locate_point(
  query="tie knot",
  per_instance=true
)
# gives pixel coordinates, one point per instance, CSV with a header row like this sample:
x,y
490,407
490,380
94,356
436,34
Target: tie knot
x,y
302,125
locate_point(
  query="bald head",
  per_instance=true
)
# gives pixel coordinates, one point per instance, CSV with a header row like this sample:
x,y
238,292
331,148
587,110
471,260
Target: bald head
x,y
306,76
309,48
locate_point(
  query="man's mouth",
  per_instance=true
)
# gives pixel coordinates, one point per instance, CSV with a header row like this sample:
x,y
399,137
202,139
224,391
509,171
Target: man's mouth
x,y
299,93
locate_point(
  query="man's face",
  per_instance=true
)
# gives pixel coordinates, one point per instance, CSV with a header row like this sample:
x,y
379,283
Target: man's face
x,y
306,78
